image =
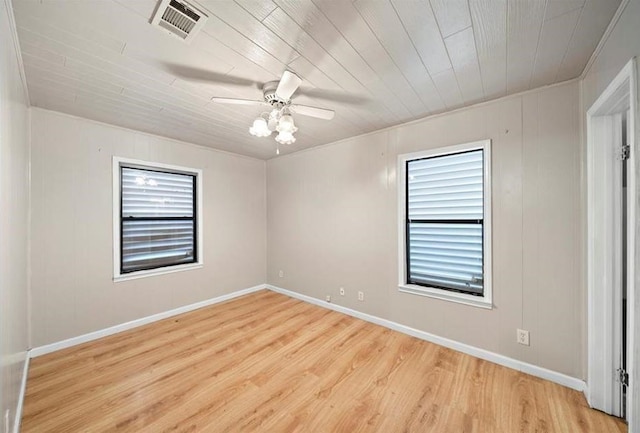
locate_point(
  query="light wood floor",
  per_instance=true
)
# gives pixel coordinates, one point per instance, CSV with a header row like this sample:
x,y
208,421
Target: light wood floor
x,y
269,363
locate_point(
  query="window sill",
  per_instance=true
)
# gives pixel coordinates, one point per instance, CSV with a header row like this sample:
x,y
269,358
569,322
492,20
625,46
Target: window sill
x,y
159,271
445,295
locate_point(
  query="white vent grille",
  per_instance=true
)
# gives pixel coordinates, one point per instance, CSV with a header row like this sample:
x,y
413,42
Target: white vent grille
x,y
176,19
179,18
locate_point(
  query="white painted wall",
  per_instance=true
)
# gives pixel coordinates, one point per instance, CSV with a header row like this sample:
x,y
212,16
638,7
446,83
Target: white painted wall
x,y
72,287
332,222
14,216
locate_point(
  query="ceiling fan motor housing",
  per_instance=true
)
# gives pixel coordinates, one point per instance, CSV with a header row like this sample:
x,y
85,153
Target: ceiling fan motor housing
x,y
269,92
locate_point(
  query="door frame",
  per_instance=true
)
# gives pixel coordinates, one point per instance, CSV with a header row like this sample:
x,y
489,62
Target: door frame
x,y
604,247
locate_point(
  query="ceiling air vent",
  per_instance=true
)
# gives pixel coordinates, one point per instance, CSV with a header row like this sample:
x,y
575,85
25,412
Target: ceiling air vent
x,y
179,18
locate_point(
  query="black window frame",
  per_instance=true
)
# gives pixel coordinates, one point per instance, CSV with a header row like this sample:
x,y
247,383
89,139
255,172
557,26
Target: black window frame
x,y
409,221
193,218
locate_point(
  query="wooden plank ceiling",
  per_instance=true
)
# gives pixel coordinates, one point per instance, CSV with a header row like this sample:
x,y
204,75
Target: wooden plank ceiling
x,y
375,62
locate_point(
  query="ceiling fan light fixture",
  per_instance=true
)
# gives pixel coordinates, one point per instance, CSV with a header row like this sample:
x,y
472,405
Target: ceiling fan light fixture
x,y
274,116
278,95
260,128
285,137
286,124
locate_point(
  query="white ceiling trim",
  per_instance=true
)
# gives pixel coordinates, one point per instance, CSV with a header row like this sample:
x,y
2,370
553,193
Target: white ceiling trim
x,y
16,44
605,38
437,115
149,134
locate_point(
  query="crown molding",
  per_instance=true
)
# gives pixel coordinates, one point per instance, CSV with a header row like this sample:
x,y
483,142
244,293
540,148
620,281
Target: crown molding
x,y
605,38
16,44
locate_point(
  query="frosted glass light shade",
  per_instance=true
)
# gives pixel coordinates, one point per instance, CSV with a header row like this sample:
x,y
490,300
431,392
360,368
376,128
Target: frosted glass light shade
x,y
259,128
285,137
286,124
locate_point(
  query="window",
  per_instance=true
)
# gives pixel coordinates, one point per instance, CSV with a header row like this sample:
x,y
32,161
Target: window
x,y
445,232
156,222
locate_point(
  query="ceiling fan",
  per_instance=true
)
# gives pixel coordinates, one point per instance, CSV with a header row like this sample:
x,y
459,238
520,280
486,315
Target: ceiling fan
x,y
277,95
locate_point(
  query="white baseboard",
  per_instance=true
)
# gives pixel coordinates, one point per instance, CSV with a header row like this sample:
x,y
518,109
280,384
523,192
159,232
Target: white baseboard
x,y
515,364
585,391
48,348
553,376
23,390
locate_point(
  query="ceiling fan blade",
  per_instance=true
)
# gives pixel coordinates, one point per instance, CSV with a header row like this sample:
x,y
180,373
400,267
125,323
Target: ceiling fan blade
x,y
203,75
288,84
238,101
320,113
332,95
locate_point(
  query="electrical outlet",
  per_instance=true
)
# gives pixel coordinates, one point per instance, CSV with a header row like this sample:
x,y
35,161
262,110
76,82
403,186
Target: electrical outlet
x,y
360,296
328,298
281,274
522,337
341,291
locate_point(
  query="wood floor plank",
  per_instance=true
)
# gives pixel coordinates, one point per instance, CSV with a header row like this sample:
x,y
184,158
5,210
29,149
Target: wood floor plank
x,y
115,375
269,363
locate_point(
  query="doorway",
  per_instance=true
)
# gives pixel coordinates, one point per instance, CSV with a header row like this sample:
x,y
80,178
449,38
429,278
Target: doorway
x,y
612,254
623,376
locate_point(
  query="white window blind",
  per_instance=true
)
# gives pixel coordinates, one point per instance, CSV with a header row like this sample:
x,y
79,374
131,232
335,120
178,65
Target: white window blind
x,y
158,226
444,221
